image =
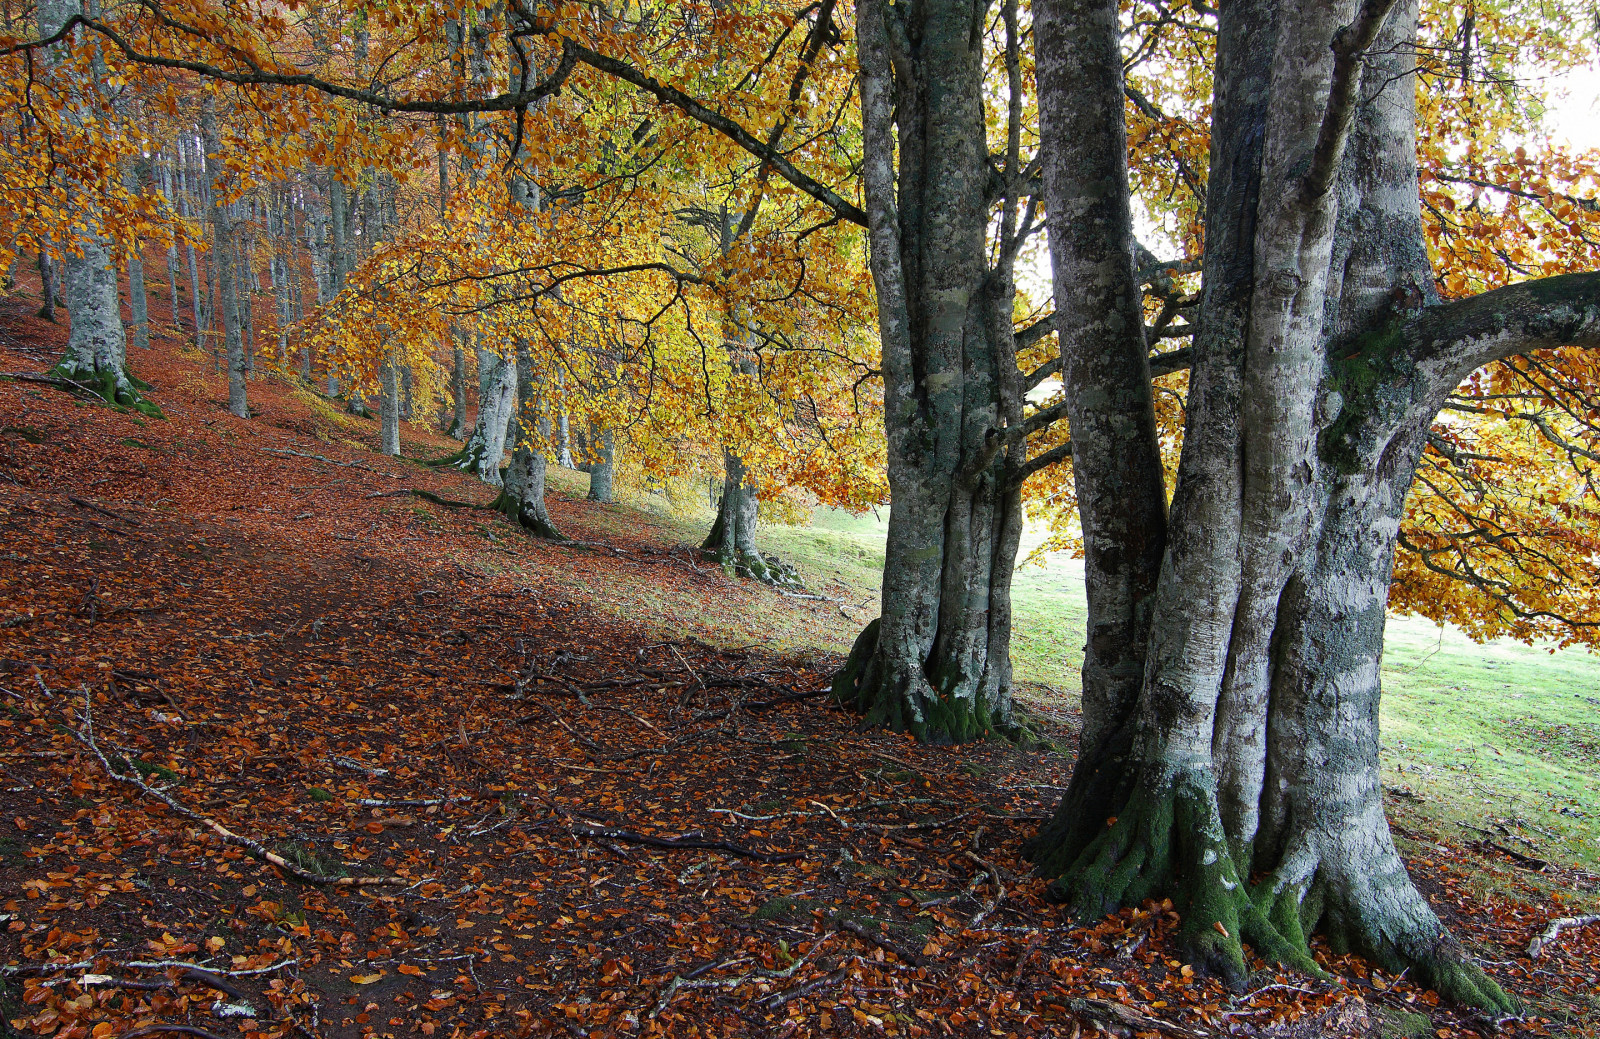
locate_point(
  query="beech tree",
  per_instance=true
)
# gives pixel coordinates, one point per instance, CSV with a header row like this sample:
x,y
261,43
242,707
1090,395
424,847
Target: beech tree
x,y
96,352
1232,677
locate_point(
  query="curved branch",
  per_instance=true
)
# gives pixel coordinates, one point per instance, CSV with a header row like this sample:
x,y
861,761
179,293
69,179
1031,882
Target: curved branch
x,y
255,75
1450,341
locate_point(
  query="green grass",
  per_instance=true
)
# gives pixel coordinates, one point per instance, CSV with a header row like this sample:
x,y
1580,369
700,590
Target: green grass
x,y
1497,736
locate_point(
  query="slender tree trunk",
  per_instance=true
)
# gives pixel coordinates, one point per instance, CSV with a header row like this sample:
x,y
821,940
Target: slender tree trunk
x,y
338,255
49,290
222,255
169,193
602,473
389,406
138,296
458,388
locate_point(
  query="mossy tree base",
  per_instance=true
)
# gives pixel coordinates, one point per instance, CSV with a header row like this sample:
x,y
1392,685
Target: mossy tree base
x,y
1168,841
530,520
115,386
897,695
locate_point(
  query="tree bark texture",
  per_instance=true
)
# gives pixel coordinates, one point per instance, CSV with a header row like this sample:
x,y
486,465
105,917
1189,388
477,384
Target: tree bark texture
x,y
602,472
96,352
1244,744
732,540
522,497
937,661
222,263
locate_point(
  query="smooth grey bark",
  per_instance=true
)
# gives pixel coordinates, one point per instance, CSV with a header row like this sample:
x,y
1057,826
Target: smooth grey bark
x,y
1322,360
937,661
192,261
245,282
96,352
521,500
458,389
497,408
732,540
602,472
338,255
168,193
222,260
389,407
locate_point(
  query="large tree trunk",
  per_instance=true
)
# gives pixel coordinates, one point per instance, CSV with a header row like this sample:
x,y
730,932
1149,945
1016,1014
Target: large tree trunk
x,y
937,661
1250,746
522,498
96,353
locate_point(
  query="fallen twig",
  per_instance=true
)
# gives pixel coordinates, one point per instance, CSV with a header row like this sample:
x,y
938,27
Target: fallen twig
x,y
683,843
1564,923
331,461
74,499
255,849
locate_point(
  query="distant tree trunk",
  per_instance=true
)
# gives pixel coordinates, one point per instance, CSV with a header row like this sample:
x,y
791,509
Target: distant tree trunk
x,y
732,541
186,208
49,290
222,254
458,388
338,255
564,444
280,236
389,406
522,498
245,280
138,297
603,471
497,408
168,191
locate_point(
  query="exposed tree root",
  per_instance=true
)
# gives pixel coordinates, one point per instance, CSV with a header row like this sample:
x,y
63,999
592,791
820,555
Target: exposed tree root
x,y
114,386
901,698
1167,840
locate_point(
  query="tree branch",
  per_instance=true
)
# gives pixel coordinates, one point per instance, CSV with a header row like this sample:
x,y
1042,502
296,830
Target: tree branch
x,y
1454,339
1349,46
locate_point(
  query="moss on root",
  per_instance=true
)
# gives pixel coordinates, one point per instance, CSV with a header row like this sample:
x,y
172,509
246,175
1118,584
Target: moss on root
x,y
513,509
1167,840
120,389
885,700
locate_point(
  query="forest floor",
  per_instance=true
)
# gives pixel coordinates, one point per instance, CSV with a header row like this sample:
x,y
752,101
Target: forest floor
x,y
522,788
